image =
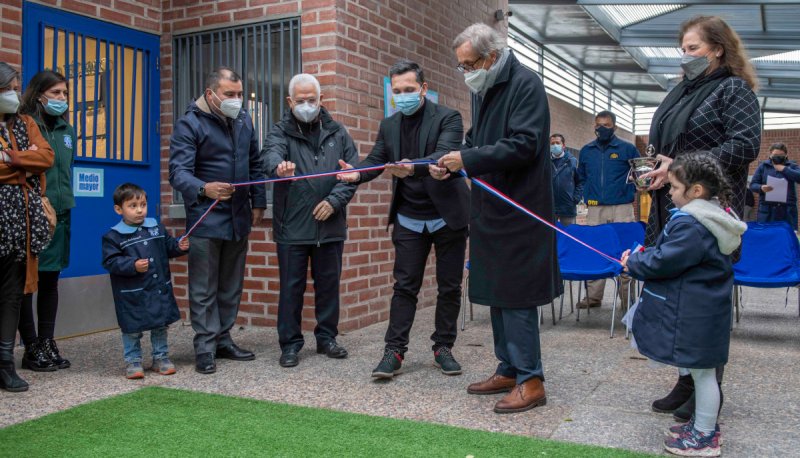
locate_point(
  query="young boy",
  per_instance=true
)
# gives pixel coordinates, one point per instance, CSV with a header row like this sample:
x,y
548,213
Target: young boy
x,y
136,252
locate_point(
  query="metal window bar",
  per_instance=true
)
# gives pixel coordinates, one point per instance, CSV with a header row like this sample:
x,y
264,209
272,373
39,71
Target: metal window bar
x,y
94,112
266,55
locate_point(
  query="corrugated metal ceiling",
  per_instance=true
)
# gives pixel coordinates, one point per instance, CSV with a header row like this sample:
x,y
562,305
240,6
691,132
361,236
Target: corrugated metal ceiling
x,y
632,46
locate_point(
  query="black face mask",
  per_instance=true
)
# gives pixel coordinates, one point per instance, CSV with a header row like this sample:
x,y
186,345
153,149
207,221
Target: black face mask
x,y
604,134
778,160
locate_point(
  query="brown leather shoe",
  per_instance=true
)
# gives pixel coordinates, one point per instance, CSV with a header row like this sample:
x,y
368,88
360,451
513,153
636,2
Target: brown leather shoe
x,y
493,385
524,396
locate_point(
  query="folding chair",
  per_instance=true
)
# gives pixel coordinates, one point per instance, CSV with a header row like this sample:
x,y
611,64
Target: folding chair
x,y
770,259
578,263
629,234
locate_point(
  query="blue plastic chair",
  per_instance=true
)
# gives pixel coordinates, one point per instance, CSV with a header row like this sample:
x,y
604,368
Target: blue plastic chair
x,y
578,263
770,259
629,234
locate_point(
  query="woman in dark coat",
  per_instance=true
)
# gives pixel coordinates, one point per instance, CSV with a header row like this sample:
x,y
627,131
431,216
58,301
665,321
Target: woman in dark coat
x,y
513,262
45,100
712,109
778,166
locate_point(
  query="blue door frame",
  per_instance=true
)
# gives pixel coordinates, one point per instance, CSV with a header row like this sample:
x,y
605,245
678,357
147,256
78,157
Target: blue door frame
x,y
93,216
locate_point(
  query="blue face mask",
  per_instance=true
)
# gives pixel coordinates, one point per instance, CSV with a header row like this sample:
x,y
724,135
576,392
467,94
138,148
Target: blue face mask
x,y
55,107
604,134
408,102
556,151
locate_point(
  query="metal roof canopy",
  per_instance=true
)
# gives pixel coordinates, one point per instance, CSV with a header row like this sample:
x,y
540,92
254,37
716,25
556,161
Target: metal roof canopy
x,y
632,46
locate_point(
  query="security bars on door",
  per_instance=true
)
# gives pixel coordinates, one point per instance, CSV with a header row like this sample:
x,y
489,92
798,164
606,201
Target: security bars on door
x,y
108,85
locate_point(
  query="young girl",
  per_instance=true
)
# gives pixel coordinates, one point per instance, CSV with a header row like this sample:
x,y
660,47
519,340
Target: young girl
x,y
684,315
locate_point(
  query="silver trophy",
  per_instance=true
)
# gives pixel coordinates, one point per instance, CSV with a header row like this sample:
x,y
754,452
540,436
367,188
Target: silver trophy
x,y
641,166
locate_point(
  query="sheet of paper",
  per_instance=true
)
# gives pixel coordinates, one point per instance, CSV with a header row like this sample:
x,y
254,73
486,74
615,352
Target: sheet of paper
x,y
780,187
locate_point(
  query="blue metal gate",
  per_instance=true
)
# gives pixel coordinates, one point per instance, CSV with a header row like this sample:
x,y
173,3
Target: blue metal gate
x,y
113,81
114,89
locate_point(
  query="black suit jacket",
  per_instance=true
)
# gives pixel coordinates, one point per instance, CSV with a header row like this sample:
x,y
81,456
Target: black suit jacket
x,y
441,132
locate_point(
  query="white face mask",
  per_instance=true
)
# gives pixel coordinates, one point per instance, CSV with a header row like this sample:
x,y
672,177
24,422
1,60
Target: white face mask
x,y
305,111
9,102
229,107
476,79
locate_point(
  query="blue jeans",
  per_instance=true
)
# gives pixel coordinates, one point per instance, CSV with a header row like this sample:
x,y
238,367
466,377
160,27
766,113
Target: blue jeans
x,y
133,348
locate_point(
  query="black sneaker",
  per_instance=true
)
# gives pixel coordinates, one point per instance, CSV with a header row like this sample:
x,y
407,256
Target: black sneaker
x,y
390,364
444,360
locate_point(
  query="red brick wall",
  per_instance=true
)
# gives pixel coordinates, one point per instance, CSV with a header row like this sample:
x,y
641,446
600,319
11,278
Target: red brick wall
x,y
348,45
10,32
576,125
144,15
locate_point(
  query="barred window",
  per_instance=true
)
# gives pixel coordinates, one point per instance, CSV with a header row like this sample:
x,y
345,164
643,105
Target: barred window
x,y
265,54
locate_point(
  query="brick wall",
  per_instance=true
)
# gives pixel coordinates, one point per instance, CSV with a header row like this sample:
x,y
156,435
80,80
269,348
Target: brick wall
x,y
348,45
576,125
10,32
144,15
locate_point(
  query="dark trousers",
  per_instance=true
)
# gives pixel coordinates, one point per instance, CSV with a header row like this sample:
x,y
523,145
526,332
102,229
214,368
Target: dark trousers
x,y
516,343
12,287
411,254
46,309
326,270
216,276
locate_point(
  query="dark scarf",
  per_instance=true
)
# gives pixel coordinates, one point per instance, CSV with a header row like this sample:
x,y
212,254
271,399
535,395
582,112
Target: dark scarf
x,y
669,121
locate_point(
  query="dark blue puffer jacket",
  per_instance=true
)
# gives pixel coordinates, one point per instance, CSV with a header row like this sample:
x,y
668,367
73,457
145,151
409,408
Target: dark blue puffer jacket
x,y
567,186
205,147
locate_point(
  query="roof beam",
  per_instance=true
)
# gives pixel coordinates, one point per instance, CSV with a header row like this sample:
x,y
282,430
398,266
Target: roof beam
x,y
637,87
619,68
763,69
668,39
768,91
586,40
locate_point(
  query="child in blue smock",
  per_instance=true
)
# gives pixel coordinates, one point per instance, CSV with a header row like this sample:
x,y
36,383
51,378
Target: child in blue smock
x,y
683,318
136,253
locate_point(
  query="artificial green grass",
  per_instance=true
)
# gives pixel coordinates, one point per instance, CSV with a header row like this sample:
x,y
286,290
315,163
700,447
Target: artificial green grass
x,y
158,421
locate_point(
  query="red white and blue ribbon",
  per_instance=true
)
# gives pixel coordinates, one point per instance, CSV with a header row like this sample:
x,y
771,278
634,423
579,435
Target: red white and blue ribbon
x,y
500,195
477,181
303,177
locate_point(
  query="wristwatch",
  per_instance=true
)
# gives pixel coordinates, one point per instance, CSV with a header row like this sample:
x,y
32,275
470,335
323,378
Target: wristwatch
x,y
201,193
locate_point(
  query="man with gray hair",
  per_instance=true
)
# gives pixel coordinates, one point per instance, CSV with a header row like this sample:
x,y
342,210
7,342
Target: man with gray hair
x,y
309,216
513,263
215,139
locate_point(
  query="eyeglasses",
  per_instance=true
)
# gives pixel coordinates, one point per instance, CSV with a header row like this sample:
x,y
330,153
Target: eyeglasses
x,y
466,68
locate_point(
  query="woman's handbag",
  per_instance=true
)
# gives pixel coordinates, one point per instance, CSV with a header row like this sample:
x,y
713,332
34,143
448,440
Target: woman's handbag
x,y
50,214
